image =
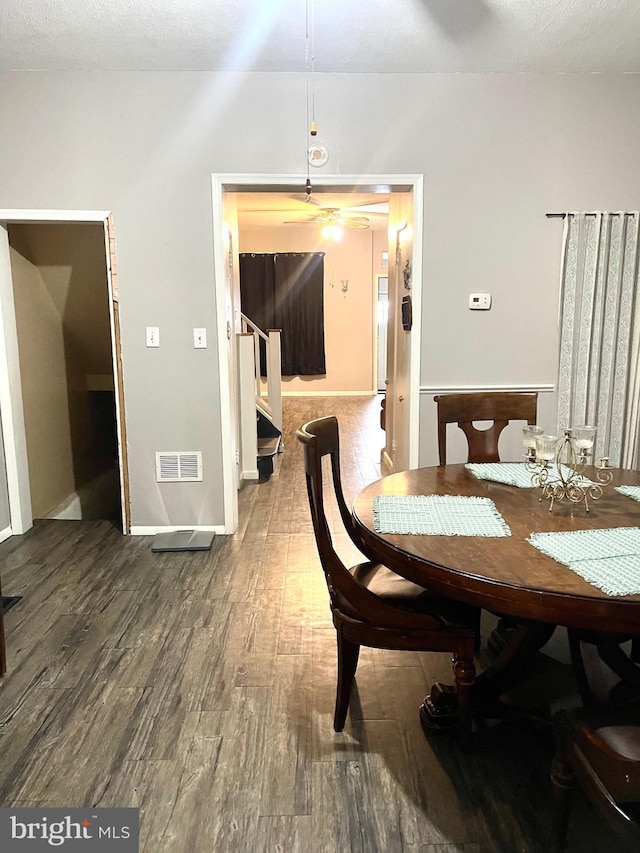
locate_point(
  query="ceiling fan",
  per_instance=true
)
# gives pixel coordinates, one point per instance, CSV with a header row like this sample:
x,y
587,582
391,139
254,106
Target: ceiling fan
x,y
334,217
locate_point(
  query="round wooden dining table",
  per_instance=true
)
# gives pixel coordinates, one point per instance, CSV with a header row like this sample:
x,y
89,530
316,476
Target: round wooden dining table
x,y
505,575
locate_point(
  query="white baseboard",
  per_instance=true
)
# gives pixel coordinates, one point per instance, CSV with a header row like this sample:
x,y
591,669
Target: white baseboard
x,y
69,510
151,530
5,534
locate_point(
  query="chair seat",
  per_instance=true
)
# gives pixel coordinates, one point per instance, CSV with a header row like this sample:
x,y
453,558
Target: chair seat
x,y
402,593
599,748
612,749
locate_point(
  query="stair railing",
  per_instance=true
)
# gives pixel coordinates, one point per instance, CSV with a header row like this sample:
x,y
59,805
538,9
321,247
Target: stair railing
x,y
252,390
274,368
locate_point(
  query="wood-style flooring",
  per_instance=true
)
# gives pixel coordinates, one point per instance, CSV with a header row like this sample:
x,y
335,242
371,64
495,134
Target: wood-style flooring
x,y
199,687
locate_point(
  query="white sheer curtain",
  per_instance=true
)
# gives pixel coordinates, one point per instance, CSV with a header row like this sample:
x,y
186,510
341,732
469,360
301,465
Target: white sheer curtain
x,y
599,375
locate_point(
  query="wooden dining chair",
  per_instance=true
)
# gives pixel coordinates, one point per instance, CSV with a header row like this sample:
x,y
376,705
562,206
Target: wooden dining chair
x,y
370,604
599,750
465,410
500,407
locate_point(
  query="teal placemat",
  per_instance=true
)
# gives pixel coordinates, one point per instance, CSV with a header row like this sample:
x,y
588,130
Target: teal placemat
x,y
438,515
629,491
609,559
514,473
510,473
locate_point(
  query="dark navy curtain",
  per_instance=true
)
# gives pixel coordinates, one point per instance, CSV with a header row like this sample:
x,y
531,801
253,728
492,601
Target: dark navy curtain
x,y
286,291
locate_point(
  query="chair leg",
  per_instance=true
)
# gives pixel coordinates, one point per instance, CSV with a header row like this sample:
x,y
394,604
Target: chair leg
x,y
563,787
348,654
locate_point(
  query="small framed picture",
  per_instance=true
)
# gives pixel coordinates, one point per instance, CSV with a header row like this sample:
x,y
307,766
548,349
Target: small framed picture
x,y
384,261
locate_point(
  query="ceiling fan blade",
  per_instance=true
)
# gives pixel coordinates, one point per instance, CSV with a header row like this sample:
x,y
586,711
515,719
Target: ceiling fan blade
x,y
280,210
378,209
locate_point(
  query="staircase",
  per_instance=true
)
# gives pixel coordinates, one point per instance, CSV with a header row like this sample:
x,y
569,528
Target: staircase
x,y
260,407
269,442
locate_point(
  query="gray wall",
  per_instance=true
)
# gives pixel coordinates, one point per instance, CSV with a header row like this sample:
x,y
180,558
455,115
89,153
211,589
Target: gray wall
x,y
497,152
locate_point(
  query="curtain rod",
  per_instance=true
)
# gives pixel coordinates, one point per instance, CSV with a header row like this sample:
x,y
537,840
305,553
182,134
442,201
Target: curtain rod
x,y
564,215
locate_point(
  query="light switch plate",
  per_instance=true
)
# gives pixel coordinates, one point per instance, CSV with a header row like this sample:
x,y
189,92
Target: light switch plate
x,y
479,301
200,338
153,336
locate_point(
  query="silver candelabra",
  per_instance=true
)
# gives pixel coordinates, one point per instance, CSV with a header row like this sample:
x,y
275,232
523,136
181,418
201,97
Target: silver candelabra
x,y
557,465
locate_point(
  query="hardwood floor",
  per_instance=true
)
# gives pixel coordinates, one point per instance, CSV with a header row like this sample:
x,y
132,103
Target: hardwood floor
x,y
199,686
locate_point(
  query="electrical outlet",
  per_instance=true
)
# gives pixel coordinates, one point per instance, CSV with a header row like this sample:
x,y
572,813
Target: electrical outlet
x,y
479,301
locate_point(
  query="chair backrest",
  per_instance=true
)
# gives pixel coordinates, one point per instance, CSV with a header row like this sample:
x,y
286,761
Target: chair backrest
x,y
499,407
603,669
320,438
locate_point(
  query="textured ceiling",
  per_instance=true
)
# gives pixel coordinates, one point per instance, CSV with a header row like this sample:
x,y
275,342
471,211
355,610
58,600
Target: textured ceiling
x,y
274,210
348,35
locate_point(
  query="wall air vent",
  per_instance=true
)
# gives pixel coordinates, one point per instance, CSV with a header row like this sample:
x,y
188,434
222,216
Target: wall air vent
x,y
179,466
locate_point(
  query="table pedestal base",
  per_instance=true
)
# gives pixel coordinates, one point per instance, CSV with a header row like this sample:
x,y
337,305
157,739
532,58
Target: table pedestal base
x,y
439,710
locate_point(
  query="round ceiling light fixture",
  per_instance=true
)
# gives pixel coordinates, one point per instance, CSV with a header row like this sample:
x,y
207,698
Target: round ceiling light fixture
x,y
317,154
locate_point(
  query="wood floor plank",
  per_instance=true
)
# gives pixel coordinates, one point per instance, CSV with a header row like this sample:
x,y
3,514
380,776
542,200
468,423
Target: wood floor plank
x,y
24,729
189,826
274,559
74,739
284,834
285,777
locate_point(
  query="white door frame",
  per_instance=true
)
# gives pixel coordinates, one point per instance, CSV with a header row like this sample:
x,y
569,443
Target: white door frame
x,y
379,362
11,407
287,183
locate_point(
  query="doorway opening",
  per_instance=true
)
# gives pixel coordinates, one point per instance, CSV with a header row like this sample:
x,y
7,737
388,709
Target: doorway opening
x,y
225,220
60,369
